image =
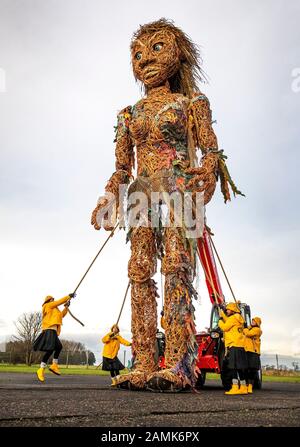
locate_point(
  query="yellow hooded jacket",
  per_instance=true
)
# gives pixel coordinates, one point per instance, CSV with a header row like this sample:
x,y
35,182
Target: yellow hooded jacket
x,y
232,328
112,345
252,339
52,316
163,323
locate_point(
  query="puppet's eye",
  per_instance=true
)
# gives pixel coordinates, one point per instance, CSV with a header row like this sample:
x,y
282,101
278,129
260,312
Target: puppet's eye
x,y
157,46
138,55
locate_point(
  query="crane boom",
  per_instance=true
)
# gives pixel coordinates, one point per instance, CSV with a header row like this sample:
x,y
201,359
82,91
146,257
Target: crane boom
x,y
208,263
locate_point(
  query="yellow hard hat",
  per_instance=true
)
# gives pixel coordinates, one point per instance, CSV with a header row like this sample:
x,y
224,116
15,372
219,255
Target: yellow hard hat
x,y
233,307
48,298
257,321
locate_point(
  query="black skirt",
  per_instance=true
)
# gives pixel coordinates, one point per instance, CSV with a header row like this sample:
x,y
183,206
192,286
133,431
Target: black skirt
x,y
112,364
237,358
47,341
253,360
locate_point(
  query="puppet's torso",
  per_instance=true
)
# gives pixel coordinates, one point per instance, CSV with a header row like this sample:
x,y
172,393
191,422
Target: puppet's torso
x,y
158,129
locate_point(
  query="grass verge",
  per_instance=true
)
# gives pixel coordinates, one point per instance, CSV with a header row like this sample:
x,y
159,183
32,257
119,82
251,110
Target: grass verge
x,y
82,370
265,378
92,370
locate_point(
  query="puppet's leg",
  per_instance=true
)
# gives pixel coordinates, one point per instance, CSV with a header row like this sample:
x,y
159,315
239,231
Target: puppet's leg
x,y
141,268
181,346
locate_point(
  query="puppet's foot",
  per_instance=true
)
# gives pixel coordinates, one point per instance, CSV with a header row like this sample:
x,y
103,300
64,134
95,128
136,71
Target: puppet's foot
x,y
134,381
166,380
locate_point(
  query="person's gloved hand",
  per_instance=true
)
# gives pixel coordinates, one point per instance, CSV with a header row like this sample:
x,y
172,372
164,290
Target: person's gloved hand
x,y
72,295
67,304
222,314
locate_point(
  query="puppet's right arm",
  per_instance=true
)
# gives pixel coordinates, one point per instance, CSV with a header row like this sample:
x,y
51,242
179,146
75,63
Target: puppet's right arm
x,y
124,164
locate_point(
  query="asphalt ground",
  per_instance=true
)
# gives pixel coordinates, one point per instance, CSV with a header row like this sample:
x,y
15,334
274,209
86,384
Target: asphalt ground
x,y
88,401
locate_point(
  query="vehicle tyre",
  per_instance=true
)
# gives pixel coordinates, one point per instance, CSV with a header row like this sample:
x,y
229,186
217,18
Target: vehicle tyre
x,y
258,380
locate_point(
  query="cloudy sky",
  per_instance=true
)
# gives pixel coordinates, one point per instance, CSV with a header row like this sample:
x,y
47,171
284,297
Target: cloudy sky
x,y
64,74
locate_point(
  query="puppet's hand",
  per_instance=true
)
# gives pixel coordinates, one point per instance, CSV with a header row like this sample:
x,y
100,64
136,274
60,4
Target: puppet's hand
x,y
103,215
197,371
204,178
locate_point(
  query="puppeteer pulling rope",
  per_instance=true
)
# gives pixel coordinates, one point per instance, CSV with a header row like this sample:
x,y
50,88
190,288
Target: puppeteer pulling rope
x,y
165,127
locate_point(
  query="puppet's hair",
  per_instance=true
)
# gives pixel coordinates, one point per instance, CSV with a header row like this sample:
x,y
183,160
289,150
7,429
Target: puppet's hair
x,y
185,79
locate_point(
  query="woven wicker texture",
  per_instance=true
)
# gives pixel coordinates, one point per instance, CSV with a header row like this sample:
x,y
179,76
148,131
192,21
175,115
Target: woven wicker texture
x,y
165,128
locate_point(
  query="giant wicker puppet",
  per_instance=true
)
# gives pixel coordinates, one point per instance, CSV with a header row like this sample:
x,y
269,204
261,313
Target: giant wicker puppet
x,y
162,131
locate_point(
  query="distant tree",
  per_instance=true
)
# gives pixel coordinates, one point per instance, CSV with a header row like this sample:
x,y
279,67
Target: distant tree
x,y
19,348
76,353
92,358
15,352
28,327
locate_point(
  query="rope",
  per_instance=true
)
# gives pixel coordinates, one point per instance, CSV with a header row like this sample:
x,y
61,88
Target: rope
x,y
98,366
88,269
111,234
76,319
222,267
209,278
125,296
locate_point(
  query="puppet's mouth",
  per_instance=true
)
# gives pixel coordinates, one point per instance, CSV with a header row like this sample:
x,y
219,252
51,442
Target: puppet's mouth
x,y
150,72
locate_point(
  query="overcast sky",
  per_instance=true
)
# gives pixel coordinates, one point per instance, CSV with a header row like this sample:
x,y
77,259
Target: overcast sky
x,y
64,74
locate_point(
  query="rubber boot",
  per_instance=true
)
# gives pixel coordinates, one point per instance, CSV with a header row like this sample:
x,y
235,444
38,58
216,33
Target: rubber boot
x,y
41,374
234,390
250,388
243,389
54,369
113,381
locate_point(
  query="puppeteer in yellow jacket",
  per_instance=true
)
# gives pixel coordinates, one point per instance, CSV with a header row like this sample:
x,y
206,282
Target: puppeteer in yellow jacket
x,y
162,320
252,348
52,316
232,327
110,362
48,340
112,343
252,336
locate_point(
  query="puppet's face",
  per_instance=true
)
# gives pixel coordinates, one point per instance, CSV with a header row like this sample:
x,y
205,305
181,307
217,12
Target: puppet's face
x,y
155,58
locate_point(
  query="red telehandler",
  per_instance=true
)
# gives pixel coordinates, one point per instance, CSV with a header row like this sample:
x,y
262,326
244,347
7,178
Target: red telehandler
x,y
211,349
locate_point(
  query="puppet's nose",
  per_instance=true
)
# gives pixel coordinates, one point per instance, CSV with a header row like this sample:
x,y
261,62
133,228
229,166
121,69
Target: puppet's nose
x,y
147,61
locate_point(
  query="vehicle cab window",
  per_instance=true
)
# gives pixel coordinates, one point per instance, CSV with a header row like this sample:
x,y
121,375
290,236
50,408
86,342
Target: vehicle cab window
x,y
214,318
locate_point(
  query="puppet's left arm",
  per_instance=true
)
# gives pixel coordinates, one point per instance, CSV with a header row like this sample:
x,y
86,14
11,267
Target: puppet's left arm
x,y
213,163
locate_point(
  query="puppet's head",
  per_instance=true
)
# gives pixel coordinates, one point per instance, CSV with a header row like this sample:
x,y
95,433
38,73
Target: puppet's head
x,y
161,52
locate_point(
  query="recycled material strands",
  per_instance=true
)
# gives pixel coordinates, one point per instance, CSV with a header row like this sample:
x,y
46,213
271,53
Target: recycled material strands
x,y
164,128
